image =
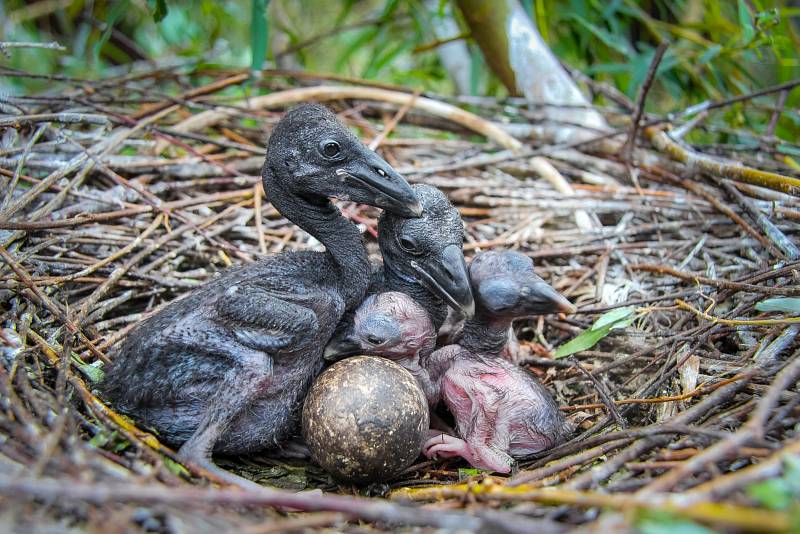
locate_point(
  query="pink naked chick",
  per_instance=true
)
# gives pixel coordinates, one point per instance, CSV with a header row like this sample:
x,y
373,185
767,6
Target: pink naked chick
x,y
501,410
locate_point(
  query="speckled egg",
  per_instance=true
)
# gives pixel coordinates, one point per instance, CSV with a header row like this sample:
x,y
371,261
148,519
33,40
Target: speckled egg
x,y
365,419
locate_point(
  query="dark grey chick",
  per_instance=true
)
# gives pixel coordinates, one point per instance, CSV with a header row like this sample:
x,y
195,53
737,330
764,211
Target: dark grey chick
x,y
226,368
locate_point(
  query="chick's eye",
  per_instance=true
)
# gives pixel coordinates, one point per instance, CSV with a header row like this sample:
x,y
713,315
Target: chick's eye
x,y
374,340
329,148
408,244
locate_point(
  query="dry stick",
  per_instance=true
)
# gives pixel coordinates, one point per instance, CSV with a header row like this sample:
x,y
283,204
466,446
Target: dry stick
x,y
662,142
553,468
188,95
18,121
186,227
152,200
740,518
720,284
752,431
705,106
9,190
773,121
118,273
641,97
642,446
601,390
723,485
626,435
144,441
546,169
699,190
305,94
119,214
85,160
700,390
52,45
105,261
772,231
356,507
301,523
736,322
375,143
25,278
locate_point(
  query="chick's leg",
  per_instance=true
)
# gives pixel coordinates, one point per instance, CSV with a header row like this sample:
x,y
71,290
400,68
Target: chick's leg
x,y
241,384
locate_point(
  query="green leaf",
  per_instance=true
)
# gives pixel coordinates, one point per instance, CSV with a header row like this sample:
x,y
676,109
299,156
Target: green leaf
x,y
258,33
772,494
780,304
117,12
746,23
779,493
613,316
464,473
616,42
612,320
158,8
92,373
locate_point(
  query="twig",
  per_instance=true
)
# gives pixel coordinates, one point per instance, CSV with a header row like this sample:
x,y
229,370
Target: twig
x,y
53,45
741,517
775,235
739,322
601,390
375,143
641,97
752,430
662,141
365,509
305,94
721,284
25,278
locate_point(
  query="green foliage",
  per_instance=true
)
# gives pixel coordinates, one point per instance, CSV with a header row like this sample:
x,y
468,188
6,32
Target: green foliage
x,y
466,472
159,9
612,320
779,493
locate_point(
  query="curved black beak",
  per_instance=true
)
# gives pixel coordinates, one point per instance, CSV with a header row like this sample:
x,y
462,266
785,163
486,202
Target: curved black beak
x,y
541,298
447,277
391,191
341,346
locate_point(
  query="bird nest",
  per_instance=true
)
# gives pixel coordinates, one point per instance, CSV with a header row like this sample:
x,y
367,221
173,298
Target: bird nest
x,y
122,195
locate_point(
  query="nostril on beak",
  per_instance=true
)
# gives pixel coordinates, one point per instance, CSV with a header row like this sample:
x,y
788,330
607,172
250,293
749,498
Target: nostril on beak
x,y
380,172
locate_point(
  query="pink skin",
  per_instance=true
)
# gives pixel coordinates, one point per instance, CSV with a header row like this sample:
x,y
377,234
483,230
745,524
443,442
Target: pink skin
x,y
501,410
450,334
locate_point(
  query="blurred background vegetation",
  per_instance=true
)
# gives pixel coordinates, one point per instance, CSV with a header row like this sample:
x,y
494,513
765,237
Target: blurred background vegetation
x,y
719,49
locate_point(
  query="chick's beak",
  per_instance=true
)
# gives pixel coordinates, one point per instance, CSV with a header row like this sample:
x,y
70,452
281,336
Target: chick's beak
x,y
447,277
340,347
542,298
389,189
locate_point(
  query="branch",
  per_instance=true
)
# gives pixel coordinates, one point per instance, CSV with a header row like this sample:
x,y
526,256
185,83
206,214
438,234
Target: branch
x,y
662,142
322,93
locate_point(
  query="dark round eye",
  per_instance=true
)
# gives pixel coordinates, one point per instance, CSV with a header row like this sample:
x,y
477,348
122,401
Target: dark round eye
x,y
329,148
374,340
408,244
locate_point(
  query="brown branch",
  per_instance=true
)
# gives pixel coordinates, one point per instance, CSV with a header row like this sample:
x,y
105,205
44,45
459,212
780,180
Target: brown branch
x,y
641,97
721,284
